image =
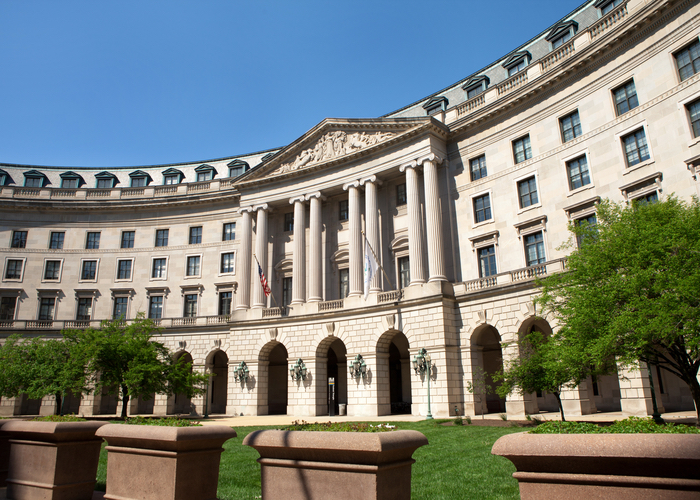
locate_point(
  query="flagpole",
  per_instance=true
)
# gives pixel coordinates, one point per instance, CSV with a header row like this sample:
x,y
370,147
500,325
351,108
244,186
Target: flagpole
x,y
260,267
376,259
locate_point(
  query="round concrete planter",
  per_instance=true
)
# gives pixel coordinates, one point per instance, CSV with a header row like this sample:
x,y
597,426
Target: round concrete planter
x,y
298,465
4,454
620,466
163,463
52,460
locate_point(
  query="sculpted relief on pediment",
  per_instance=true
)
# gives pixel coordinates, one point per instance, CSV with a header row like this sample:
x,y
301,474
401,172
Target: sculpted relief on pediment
x,y
333,145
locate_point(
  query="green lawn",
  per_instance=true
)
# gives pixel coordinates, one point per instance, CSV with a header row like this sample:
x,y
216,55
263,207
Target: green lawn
x,y
456,464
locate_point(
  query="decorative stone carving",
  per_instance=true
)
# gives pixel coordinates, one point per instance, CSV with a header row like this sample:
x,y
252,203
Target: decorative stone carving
x,y
483,316
273,333
330,328
333,145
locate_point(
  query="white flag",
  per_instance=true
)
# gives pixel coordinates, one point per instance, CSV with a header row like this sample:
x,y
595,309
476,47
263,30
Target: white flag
x,y
371,266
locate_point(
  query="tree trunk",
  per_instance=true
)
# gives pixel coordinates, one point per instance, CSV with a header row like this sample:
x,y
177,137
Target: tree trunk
x,y
125,401
59,404
695,392
561,408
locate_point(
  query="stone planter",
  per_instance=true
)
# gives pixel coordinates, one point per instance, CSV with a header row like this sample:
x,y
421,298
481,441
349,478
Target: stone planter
x,y
52,460
163,463
4,454
302,465
620,466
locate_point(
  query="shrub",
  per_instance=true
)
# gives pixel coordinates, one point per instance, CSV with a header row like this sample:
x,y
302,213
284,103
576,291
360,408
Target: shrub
x,y
503,416
458,421
631,425
59,418
167,422
338,427
469,420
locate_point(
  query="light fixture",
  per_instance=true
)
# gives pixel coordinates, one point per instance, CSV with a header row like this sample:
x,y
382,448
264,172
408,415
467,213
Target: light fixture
x,y
298,370
358,367
421,365
240,373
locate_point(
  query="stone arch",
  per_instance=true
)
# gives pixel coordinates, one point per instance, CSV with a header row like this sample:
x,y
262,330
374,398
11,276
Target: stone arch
x,y
393,377
180,403
217,364
486,360
273,384
331,363
537,401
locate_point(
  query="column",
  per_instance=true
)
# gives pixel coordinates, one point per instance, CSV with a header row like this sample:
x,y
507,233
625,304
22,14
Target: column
x,y
245,264
299,258
259,299
355,250
315,257
415,233
372,226
433,219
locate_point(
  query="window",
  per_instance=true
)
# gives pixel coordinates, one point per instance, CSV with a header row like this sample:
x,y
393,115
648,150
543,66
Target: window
x,y
13,269
694,113
609,6
190,305
344,282
128,239
517,68
7,308
52,270
162,237
229,231
286,291
482,208
84,309
476,86
534,249
89,271
170,180
235,171
204,176
688,60
404,272
195,235
477,167
69,183
636,150
625,98
138,182
570,127
155,307
401,197
56,242
120,305
475,91
225,299
343,210
93,241
34,182
159,268
487,261
19,239
193,265
46,308
561,40
289,221
577,170
105,183
521,149
588,221
227,262
652,197
124,269
527,191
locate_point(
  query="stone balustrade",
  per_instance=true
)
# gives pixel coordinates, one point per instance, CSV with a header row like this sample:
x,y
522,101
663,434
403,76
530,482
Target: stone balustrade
x,y
563,52
607,22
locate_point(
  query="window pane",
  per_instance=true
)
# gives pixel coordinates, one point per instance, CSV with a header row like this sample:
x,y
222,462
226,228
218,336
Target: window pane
x,y
128,239
534,249
193,265
344,278
225,299
124,269
343,210
227,262
46,309
578,173
694,112
229,231
51,272
138,181
155,309
93,241
482,208
289,221
636,149
195,235
404,272
625,98
528,192
487,261
89,270
120,304
7,308
57,240
14,269
104,183
477,166
401,194
158,268
570,127
521,149
19,239
162,238
84,309
688,61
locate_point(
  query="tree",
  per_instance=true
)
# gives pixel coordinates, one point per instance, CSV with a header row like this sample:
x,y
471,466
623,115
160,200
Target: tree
x,y
479,387
632,289
124,359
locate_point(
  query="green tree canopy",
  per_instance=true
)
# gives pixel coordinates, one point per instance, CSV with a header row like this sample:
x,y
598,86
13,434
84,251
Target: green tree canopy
x,y
632,289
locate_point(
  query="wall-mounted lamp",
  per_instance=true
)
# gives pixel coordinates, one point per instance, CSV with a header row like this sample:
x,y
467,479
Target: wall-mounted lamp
x,y
421,365
298,370
240,373
358,367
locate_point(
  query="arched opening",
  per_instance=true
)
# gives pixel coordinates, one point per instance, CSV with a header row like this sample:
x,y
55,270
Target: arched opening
x,y
393,374
277,380
487,360
29,406
180,403
108,402
145,405
70,403
539,401
217,365
336,394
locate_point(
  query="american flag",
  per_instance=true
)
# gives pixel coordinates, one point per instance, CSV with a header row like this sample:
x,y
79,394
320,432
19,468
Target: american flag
x,y
263,281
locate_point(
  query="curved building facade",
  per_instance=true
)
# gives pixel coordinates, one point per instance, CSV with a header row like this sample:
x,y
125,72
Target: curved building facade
x,y
464,197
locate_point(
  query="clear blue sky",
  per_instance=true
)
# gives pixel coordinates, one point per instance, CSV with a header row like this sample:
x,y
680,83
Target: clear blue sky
x,y
96,83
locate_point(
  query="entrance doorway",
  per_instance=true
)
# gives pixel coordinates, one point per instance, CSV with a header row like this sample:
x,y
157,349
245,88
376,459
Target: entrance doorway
x,y
180,403
278,382
336,370
393,374
218,383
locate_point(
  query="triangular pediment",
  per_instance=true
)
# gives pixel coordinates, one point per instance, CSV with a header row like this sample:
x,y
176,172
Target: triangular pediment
x,y
338,140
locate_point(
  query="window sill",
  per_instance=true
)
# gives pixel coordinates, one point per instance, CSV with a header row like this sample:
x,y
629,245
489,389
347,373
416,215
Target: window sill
x,y
531,207
12,280
643,164
483,223
51,281
124,280
579,190
233,273
157,279
694,142
193,277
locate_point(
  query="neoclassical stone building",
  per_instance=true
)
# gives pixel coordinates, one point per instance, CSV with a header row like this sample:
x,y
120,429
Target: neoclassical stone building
x,y
465,197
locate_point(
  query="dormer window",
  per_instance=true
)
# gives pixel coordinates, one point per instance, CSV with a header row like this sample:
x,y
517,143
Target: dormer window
x,y
4,178
237,167
71,180
606,6
476,86
562,33
267,157
140,178
517,62
105,180
205,173
435,105
172,176
34,179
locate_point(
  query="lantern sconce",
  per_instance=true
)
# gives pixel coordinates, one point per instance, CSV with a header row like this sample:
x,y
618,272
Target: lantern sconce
x,y
298,370
422,364
240,373
358,367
